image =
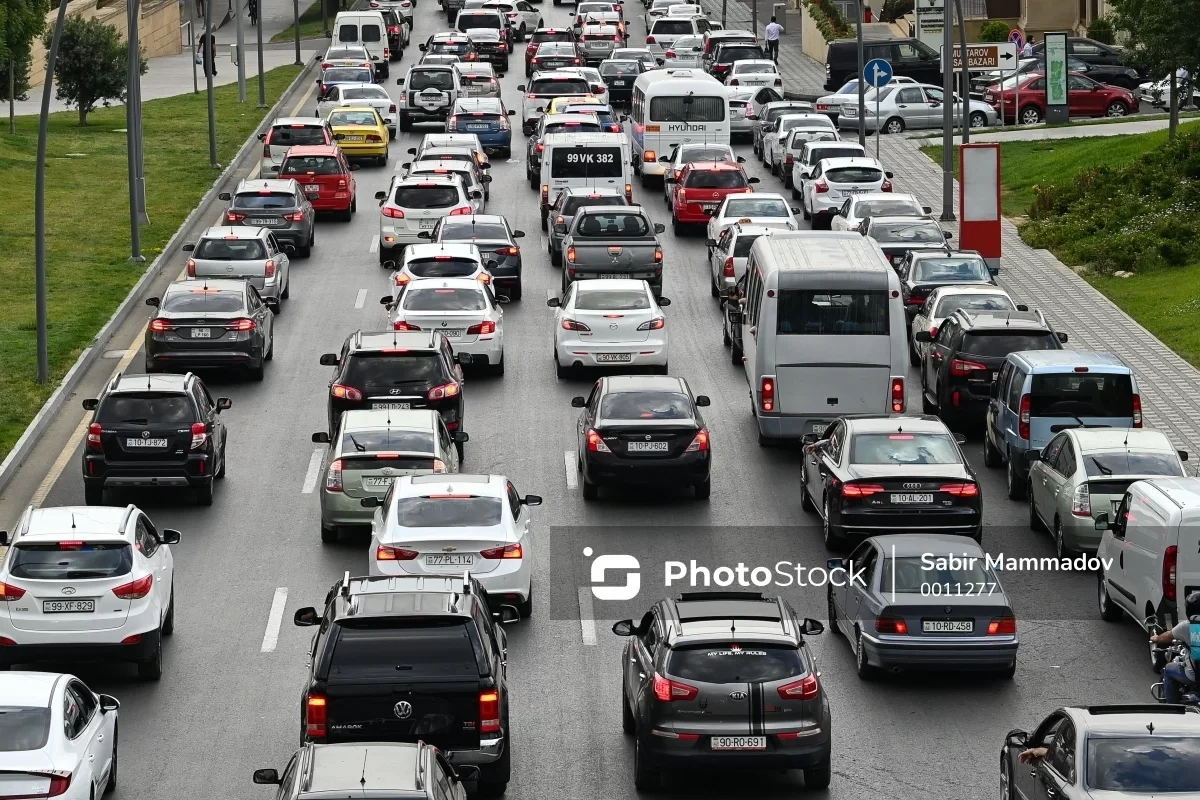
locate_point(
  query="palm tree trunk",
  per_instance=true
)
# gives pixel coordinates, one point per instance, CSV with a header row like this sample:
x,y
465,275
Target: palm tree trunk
x,y
12,89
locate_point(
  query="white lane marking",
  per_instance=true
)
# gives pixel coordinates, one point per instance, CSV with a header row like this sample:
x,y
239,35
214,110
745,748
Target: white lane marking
x,y
361,299
271,637
374,248
572,470
587,625
314,469
542,239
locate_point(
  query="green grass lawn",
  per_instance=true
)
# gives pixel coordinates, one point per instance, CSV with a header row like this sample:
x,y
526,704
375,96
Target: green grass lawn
x,y
1166,302
310,25
87,223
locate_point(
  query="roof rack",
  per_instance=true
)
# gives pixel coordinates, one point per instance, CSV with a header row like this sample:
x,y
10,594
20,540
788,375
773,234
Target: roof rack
x,y
691,597
1139,708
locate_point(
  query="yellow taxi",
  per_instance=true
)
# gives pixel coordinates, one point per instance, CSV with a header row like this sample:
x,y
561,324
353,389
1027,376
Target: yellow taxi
x,y
559,105
360,132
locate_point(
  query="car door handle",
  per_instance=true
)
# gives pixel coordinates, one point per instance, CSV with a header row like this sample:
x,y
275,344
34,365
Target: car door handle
x,y
642,675
632,660
100,737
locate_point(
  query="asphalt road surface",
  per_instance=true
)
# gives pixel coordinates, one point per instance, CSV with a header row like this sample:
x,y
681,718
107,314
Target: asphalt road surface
x,y
229,698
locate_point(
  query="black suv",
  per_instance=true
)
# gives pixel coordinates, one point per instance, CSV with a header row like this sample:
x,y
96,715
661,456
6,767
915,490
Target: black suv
x,y
963,361
154,430
392,370
737,689
909,57
410,659
922,271
415,771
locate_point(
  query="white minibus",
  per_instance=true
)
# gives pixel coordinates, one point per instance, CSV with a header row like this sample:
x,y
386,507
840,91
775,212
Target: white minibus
x,y
670,107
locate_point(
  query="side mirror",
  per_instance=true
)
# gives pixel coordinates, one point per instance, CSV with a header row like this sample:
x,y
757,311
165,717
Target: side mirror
x,y
355,167
476,195
512,112
153,301
306,617
1062,337
320,437
503,299
187,248
425,235
521,88
1183,455
486,179
422,47
811,627
463,358
741,160
1016,738
381,195
339,136
386,300
4,538
267,777
624,628
461,437
702,401
660,62
578,402
170,536
833,563
329,360
960,439
664,159
554,302
225,196
795,210
399,81
272,303
369,502
663,301
926,210
408,164
532,500
1101,522
753,180
1031,457
263,135
91,404
948,235
224,403
508,615
485,165
922,336
518,234
108,703
710,242
809,438
660,228
1022,307
465,773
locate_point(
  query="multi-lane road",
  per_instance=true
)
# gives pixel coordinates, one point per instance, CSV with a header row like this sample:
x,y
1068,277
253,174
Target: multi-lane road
x,y
229,698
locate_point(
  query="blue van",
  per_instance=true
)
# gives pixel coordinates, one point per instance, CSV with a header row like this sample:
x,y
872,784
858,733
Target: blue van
x,y
487,118
1041,392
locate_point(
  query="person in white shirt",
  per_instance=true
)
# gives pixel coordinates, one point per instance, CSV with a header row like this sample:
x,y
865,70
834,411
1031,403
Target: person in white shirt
x,y
774,29
1027,50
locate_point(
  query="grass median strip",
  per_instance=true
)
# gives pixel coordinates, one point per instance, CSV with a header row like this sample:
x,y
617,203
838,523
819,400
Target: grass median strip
x,y
87,223
310,25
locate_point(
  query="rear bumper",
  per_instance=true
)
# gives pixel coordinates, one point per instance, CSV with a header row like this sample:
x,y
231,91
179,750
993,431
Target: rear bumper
x,y
295,236
510,575
495,140
685,215
331,203
688,469
809,751
793,426
417,114
175,360
98,472
870,522
72,652
975,653
365,149
652,352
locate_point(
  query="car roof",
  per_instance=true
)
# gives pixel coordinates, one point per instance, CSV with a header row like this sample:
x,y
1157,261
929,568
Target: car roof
x,y
714,166
899,219
434,249
913,545
610,285
886,196
387,340
369,419
449,36
27,689
726,616
301,150
163,382
643,383
1135,719
228,232
967,288
459,483
600,29
1100,440
384,766
288,122
57,522
426,178
807,116
889,424
467,219
200,284
469,104
1050,359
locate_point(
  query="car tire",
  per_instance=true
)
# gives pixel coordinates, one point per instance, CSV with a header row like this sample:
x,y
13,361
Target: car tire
x,y
796,193
662,369
804,208
628,723
991,455
1109,611
818,777
1061,548
1030,115
220,474
832,537
93,495
914,359
865,671
168,623
1007,792
151,668
831,613
497,369
647,181
329,533
590,490
927,407
977,119
725,338
112,773
555,257
545,217
736,356
521,33
704,490
204,493
894,125
714,291
462,456
405,123
1016,488
676,226
287,289
645,778
502,768
1116,108
257,373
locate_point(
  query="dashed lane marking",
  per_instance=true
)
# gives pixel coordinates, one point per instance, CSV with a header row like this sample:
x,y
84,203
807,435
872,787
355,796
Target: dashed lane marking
x,y
572,470
314,470
274,619
374,246
361,299
587,625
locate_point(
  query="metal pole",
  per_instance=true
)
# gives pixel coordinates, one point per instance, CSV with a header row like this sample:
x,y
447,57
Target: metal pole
x,y
131,113
296,19
878,134
862,82
192,48
39,201
241,51
964,78
754,18
210,64
948,114
724,9
324,20
139,137
262,77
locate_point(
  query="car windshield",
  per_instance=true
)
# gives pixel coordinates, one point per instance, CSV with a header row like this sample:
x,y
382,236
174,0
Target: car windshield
x,y
1132,462
448,511
757,207
161,409
264,200
998,344
951,268
738,663
646,405
885,208
71,560
353,118
574,126
311,165
934,573
394,369
473,231
611,300
741,247
365,93
431,196
231,249
387,440
904,448
346,75
1143,764
455,299
613,224
973,302
908,232
419,79
292,135
1085,394
716,179
203,301
23,728
854,175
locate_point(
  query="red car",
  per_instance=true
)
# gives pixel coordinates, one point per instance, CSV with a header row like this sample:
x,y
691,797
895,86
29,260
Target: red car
x,y
1085,98
701,187
545,35
325,175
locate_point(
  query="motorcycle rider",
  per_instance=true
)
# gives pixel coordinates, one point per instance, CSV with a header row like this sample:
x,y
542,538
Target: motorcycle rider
x,y
1179,675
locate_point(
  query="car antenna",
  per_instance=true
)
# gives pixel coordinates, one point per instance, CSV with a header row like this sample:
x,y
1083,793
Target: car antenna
x,y
72,520
363,780
1150,728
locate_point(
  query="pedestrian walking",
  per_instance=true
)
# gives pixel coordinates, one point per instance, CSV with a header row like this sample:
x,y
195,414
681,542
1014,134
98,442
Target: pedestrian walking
x,y
207,50
867,16
252,6
1027,50
774,29
200,9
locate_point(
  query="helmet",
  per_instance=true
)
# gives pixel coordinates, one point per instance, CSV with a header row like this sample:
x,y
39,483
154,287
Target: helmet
x,y
1191,604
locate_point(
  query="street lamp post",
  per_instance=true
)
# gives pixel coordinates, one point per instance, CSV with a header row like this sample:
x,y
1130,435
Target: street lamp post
x,y
241,50
262,86
296,23
209,66
948,113
862,88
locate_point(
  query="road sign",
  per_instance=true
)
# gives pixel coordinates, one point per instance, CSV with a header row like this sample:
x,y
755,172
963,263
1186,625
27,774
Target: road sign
x,y
986,57
931,22
877,72
1016,37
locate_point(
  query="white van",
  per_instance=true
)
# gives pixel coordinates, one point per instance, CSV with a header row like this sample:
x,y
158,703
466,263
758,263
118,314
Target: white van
x,y
670,107
584,160
822,332
365,29
1153,541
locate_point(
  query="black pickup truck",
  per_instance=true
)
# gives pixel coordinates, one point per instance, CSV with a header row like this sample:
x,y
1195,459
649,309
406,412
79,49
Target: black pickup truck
x,y
399,659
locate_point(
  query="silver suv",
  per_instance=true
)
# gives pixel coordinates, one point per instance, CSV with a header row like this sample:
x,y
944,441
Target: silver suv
x,y
278,205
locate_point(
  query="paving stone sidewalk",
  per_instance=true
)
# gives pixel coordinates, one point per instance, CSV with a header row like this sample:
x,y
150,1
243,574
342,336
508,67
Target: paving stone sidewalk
x,y
805,77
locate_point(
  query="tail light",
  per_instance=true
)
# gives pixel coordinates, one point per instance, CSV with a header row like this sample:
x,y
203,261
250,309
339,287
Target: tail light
x,y
484,328
199,435
489,711
572,325
667,690
961,368
387,53
372,137
545,195
886,186
656,324
386,553
649,40
297,216
270,269
484,277
778,82
629,193
766,402
571,254
699,443
401,325
8,592
93,436
504,551
1170,559
804,689
669,54
961,489
915,300
333,478
1081,501
393,213
191,267
595,443
1023,417
392,108
540,147
898,395
658,255
933,332
315,715
443,392
735,82
509,251
135,590
439,466
502,47
1137,411
241,325
1003,626
861,489
503,123
891,625
452,125
341,183
727,270
344,392
233,216
267,147
821,187
462,211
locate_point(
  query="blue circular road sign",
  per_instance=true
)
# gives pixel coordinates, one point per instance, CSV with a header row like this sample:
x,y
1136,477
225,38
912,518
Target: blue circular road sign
x,y
877,72
1016,37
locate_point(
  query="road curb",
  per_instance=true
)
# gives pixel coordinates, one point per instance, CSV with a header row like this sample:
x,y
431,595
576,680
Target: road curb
x,y
66,388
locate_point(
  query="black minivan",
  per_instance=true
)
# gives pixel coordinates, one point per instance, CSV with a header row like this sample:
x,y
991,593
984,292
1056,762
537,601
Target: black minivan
x,y
911,58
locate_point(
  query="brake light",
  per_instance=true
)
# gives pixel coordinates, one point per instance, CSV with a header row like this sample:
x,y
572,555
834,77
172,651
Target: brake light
x,y
669,54
861,489
270,269
385,553
199,435
135,590
333,478
1081,501
933,332
484,328
503,551
804,689
8,592
891,625
572,325
1170,559
1003,626
667,690
778,82
297,216
699,443
242,325
727,270
629,192
886,186
439,466
344,392
191,267
401,325
232,216
545,195
898,395
394,213
649,157
443,392
915,300
571,254
649,40
1137,411
392,108
509,251
315,716
821,187
656,324
1023,417
767,400
489,711
961,367
658,255
788,159
93,436
961,489
595,442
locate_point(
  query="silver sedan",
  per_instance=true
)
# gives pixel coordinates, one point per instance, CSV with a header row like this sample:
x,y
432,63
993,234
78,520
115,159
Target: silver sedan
x,y
903,107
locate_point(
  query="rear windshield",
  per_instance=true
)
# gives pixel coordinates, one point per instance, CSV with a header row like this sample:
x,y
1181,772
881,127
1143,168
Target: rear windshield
x,y
444,300
904,448
704,154
68,561
339,53
388,441
23,728
886,208
676,27
397,369
158,408
820,153
741,247
556,87
646,405
364,93
611,300
1088,394
444,267
821,313
592,35
742,69
572,127
854,175
925,576
426,196
907,233
951,269
230,249
619,68
457,47
1143,764
203,300
318,165
574,202
679,109
716,179
297,134
479,21
346,75
1132,462
731,54
477,79
757,207
478,231
489,36
429,79
973,302
448,512
998,345
555,49
586,162
265,200
615,223
558,36
419,648
742,663
775,113
353,118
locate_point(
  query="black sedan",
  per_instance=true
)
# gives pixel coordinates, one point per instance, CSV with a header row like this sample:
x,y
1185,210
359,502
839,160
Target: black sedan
x,y
868,476
642,430
922,271
619,77
898,236
497,242
211,324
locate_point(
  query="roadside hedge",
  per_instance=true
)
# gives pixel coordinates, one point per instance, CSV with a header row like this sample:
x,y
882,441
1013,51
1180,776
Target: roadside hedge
x,y
829,19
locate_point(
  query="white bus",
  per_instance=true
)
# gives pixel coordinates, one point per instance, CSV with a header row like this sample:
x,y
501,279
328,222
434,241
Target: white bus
x,y
672,107
822,332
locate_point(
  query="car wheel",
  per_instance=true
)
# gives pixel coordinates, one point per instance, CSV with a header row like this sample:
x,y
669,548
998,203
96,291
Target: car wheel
x,y
978,119
93,495
112,773
861,666
257,373
628,723
544,218
1009,672
644,778
914,358
796,192
287,289
831,612
894,125
405,123
497,369
329,533
832,537
521,33
168,625
804,208
1030,115
556,257
818,777
1061,548
458,448
661,369
927,406
1109,611
1035,522
677,227
1006,786
590,490
1116,109
703,490
151,668
204,493
991,456
1016,489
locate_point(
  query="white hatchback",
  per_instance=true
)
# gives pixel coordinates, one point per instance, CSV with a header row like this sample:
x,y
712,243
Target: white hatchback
x,y
443,260
412,205
775,140
609,321
464,310
87,583
447,524
834,180
767,209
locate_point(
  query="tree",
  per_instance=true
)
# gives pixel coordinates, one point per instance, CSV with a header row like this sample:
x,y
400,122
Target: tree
x,y
995,30
21,21
1101,30
92,65
1159,40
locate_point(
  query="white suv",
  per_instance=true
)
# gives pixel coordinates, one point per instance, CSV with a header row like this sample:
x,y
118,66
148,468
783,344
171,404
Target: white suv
x,y
412,205
87,583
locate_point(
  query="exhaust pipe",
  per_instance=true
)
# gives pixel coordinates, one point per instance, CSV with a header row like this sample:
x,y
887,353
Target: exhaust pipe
x,y
894,670
1156,691
289,247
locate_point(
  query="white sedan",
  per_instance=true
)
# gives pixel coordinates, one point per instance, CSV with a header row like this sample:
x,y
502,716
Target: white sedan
x,y
775,140
767,209
944,301
60,737
358,95
755,73
607,321
462,309
447,524
875,204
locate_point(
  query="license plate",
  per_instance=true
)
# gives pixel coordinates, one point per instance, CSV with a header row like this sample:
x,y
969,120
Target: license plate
x,y
352,138
995,375
647,447
708,206
426,224
854,191
452,333
201,333
391,406
620,83
947,626
312,188
145,442
440,560
377,483
483,127
68,606
613,275
739,743
818,427
902,499
262,221
614,357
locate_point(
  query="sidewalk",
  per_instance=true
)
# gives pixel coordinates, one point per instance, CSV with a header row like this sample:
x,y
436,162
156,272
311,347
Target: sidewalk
x,y
805,77
1041,132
